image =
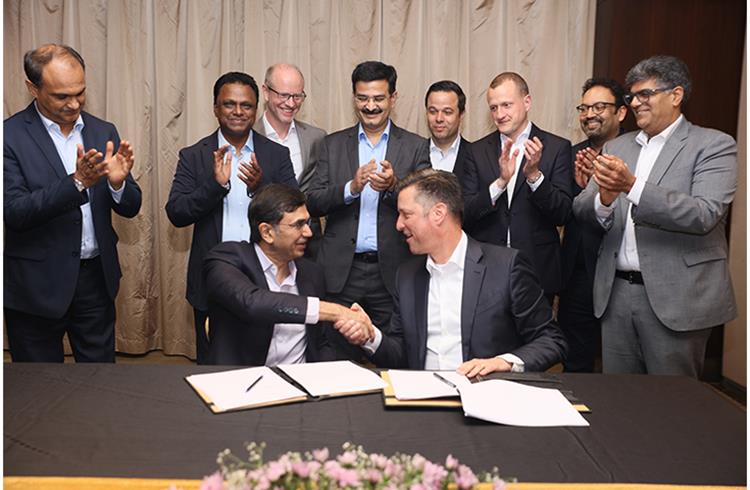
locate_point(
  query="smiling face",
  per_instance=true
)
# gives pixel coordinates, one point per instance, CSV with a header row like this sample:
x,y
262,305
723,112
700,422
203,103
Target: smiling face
x,y
509,108
373,104
282,110
659,111
414,222
604,126
288,239
62,93
235,110
443,117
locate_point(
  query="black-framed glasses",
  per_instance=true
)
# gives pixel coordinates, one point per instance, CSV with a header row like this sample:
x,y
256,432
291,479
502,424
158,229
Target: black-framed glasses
x,y
299,224
284,96
597,107
643,95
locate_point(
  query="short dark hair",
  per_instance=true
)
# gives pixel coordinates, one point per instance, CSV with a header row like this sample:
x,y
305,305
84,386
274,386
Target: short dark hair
x,y
370,71
614,87
35,60
448,86
434,186
669,70
270,204
523,87
235,77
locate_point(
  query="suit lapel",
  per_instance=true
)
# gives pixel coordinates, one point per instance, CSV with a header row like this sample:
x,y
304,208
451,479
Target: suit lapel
x,y
210,145
669,152
421,294
42,138
520,178
352,150
304,145
473,279
492,153
394,146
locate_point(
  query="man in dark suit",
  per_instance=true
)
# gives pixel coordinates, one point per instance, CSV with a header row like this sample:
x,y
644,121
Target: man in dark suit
x,y
517,185
263,297
466,305
445,103
215,180
63,178
352,186
600,113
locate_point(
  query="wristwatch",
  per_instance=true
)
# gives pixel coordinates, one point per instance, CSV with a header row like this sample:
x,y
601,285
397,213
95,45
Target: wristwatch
x,y
538,176
79,185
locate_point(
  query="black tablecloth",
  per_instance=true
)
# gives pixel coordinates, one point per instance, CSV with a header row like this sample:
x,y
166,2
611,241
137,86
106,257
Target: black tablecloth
x,y
146,421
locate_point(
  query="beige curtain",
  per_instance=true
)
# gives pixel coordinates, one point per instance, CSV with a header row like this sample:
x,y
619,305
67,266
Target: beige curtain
x,y
151,65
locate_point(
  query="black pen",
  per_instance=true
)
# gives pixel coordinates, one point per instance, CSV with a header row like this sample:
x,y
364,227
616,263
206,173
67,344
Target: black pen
x,y
444,380
254,383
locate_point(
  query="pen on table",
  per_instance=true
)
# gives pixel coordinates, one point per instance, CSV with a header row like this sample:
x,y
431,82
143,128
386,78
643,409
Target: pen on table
x,y
444,380
254,383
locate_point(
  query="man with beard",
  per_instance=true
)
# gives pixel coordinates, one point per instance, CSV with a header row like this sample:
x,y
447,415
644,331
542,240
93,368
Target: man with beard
x,y
446,105
353,187
215,180
600,113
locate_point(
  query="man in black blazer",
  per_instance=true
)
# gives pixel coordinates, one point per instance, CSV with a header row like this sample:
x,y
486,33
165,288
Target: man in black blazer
x,y
215,179
352,186
64,172
517,185
445,103
465,305
600,113
263,297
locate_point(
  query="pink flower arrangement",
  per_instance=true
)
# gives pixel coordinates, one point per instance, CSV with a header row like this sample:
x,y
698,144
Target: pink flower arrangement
x,y
352,469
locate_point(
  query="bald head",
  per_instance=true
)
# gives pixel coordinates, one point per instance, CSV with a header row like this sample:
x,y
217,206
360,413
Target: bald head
x,y
35,60
283,94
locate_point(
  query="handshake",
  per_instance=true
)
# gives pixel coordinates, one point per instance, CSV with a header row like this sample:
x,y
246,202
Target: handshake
x,y
353,323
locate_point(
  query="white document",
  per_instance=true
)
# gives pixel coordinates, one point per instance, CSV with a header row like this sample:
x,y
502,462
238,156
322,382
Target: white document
x,y
420,385
227,390
509,403
334,378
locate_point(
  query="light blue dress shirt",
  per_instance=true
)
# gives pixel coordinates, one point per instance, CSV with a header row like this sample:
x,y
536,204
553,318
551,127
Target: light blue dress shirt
x,y
235,226
367,229
67,149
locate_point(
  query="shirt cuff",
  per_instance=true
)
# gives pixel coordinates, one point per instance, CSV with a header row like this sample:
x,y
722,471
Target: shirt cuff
x,y
536,184
603,213
313,310
348,196
495,191
634,195
372,346
117,195
516,364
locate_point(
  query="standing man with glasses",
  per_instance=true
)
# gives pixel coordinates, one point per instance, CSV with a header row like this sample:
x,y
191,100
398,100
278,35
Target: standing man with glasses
x,y
283,96
353,187
661,195
600,114
215,180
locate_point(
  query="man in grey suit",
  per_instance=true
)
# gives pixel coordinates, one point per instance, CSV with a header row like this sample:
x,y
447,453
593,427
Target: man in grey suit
x,y
465,305
352,186
283,96
661,195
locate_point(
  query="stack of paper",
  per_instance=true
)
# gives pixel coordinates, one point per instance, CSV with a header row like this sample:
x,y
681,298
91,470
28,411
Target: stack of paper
x,y
422,385
334,378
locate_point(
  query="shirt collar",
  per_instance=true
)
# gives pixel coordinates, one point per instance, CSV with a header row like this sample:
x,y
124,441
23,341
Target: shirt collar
x,y
272,132
458,257
384,137
49,124
247,146
643,139
452,149
270,267
521,137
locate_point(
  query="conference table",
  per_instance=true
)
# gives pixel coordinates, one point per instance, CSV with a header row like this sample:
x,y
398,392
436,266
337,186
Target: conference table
x,y
143,426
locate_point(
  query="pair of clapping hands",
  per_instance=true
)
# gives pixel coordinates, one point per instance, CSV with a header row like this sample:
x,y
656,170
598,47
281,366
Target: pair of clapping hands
x,y
380,180
249,172
91,165
611,174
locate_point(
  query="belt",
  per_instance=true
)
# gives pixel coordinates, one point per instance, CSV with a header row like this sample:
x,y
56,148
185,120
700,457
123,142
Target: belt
x,y
369,257
633,277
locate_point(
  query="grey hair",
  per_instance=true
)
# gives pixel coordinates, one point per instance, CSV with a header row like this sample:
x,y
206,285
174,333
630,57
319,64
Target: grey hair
x,y
669,70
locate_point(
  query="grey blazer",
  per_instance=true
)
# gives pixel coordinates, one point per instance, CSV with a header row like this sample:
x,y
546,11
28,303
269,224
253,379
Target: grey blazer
x,y
679,227
310,139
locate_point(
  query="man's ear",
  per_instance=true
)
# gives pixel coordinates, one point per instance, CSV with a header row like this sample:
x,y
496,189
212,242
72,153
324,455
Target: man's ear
x,y
677,94
267,233
33,89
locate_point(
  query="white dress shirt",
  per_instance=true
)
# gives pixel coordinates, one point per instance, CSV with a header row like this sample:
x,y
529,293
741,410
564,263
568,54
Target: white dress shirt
x,y
289,341
291,141
235,226
67,149
627,257
444,160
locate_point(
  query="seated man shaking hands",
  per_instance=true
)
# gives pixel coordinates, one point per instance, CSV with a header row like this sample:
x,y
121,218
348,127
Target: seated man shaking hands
x,y
465,305
263,296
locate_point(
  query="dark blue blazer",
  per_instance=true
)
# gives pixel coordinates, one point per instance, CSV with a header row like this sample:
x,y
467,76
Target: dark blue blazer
x,y
43,221
503,311
197,199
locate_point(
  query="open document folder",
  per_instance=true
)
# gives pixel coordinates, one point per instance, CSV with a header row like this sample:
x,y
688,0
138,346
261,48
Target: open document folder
x,y
420,385
509,403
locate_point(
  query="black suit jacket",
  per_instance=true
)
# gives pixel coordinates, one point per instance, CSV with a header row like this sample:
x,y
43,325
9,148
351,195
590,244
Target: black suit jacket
x,y
533,217
242,311
43,221
464,154
337,164
503,311
197,199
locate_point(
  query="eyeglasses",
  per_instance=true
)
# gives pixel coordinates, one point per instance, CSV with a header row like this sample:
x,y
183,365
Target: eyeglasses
x,y
284,96
299,224
643,95
598,107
